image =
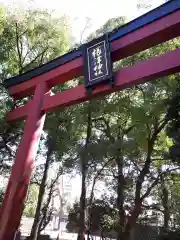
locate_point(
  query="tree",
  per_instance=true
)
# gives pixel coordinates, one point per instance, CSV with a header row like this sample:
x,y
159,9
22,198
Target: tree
x,y
27,42
60,129
9,134
173,127
84,168
119,139
131,125
102,213
47,208
87,162
28,39
30,205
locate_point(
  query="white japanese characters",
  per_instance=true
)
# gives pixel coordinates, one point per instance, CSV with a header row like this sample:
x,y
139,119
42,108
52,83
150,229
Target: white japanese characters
x,y
97,59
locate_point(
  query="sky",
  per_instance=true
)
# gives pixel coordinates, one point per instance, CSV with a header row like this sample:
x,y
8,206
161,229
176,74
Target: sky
x,y
98,11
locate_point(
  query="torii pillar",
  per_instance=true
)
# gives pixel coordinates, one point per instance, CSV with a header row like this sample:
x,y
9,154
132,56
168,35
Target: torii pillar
x,y
15,195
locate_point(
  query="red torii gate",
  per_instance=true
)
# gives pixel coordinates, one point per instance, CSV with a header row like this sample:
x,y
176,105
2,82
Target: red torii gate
x,y
155,27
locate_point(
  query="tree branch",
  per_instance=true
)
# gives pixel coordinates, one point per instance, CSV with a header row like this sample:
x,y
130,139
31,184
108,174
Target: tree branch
x,y
96,177
145,169
146,194
37,56
107,130
18,50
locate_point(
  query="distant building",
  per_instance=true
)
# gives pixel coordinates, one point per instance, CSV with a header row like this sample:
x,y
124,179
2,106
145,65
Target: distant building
x,y
65,182
61,201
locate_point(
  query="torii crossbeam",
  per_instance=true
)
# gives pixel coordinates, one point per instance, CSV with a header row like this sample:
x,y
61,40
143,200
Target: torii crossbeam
x,y
155,27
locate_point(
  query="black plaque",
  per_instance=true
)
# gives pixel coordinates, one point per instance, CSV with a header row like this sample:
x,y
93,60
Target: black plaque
x,y
97,62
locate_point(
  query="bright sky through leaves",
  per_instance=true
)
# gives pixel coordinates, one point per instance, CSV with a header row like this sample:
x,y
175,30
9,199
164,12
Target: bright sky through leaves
x,y
98,11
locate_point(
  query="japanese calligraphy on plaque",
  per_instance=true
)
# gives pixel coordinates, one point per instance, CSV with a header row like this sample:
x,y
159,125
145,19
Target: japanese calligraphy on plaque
x,y
97,61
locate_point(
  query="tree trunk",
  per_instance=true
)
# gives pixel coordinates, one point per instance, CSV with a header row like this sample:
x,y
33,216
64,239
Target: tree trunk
x,y
165,203
81,231
120,198
45,219
82,204
37,219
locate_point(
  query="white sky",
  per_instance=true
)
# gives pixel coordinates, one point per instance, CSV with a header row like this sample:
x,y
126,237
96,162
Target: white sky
x,y
99,11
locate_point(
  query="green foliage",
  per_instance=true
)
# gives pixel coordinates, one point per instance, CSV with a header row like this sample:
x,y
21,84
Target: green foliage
x,y
128,132
103,217
27,40
73,218
174,127
109,26
33,39
30,205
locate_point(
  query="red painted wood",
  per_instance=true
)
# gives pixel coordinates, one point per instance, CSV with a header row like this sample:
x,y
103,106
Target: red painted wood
x,y
15,195
58,75
20,112
150,35
159,66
